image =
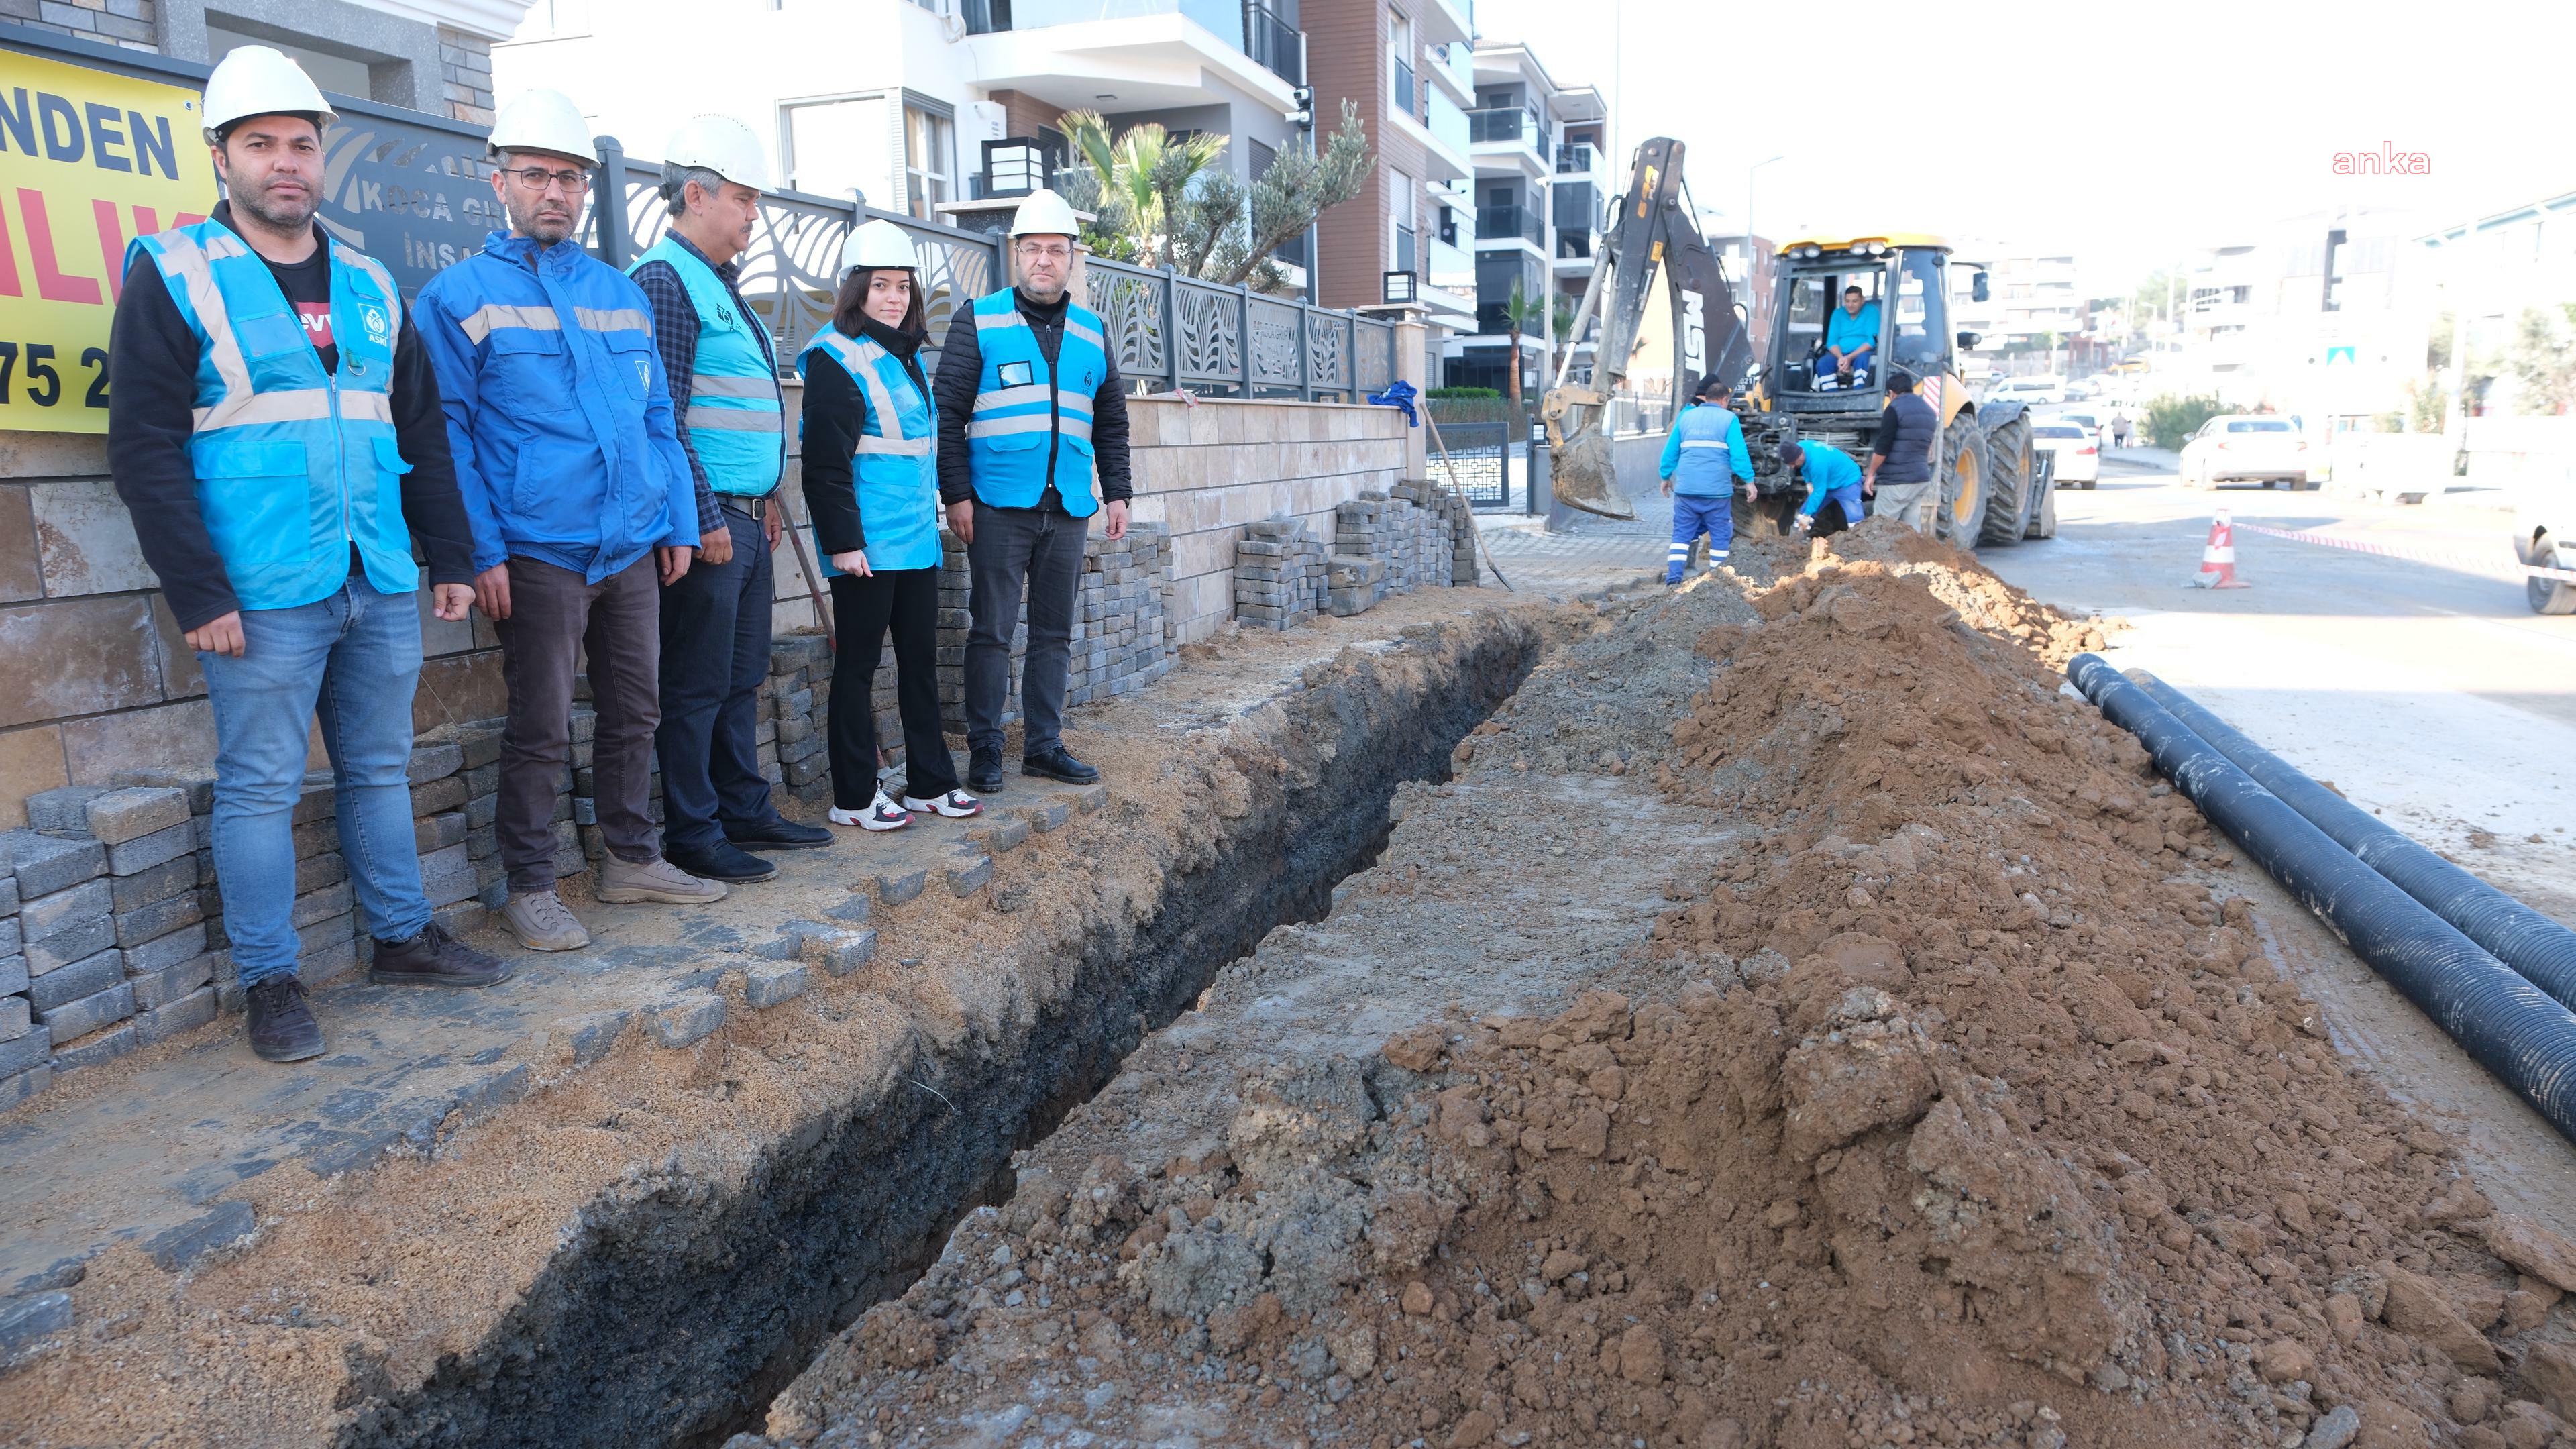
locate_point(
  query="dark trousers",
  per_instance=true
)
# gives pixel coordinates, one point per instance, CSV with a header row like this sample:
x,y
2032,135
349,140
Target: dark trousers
x,y
1041,547
715,653
906,600
556,617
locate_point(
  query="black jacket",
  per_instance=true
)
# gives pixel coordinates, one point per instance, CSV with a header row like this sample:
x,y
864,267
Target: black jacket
x,y
961,369
1905,434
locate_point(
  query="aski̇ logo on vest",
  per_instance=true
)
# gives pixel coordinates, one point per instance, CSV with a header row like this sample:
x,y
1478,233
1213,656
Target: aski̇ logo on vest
x,y
2386,161
379,326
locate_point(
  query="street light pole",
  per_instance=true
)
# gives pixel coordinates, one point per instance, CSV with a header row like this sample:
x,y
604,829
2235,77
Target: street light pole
x,y
1748,214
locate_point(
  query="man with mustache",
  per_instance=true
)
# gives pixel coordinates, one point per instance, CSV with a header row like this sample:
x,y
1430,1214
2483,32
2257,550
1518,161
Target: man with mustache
x,y
582,504
276,433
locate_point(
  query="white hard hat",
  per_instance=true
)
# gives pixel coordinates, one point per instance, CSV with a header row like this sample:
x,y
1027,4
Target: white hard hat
x,y
255,80
722,145
544,120
1043,213
879,244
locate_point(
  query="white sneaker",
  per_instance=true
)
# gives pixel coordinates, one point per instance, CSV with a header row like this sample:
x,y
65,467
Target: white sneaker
x,y
881,814
956,805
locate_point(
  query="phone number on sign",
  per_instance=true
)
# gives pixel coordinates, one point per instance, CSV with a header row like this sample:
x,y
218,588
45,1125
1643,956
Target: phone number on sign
x,y
43,379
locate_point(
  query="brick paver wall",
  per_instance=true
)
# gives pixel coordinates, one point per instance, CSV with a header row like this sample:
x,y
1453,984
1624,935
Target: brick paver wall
x,y
110,22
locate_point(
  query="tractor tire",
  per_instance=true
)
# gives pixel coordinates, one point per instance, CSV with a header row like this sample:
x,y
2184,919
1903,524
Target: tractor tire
x,y
1966,477
2548,596
2008,500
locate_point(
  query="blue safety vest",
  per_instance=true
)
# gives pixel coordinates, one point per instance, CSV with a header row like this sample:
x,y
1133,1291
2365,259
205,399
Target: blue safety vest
x,y
1021,402
1707,468
895,468
293,464
736,422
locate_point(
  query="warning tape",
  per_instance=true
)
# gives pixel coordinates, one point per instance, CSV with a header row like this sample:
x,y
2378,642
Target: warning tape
x,y
2469,562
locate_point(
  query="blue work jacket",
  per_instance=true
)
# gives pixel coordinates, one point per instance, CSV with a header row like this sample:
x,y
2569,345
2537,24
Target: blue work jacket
x,y
1706,444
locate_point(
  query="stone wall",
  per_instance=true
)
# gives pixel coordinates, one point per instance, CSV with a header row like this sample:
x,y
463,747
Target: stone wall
x,y
111,22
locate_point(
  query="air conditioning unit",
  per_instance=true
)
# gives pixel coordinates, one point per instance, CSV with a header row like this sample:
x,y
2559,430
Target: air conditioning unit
x,y
983,121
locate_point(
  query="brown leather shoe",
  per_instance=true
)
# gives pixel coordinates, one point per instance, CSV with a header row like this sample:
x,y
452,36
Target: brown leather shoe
x,y
435,958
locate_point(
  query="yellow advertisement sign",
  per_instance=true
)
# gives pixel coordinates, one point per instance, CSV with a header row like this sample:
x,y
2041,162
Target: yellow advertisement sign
x,y
88,161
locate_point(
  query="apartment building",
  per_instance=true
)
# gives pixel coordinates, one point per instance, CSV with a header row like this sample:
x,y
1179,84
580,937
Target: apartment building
x,y
2487,270
924,107
2318,314
1522,237
1407,65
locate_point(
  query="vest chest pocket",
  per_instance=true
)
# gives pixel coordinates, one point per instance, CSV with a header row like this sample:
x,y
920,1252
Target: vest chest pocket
x,y
529,365
256,495
630,356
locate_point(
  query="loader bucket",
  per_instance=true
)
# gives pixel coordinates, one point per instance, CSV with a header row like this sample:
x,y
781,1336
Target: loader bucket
x,y
1582,476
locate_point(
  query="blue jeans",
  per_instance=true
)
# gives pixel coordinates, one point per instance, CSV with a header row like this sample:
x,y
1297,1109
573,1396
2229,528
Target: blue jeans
x,y
715,653
1692,516
1856,360
1847,498
353,660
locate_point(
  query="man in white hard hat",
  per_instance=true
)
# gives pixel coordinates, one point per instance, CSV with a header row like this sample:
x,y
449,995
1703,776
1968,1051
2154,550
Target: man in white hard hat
x,y
723,371
570,463
1030,409
275,432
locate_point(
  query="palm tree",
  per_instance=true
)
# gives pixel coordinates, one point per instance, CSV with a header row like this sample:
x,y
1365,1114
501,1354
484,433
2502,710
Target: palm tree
x,y
1520,312
1144,174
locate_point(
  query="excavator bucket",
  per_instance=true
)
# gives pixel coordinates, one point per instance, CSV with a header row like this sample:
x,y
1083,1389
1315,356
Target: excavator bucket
x,y
1582,475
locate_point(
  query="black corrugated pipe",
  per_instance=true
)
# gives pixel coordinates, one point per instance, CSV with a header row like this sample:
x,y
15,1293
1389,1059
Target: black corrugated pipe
x,y
2513,1028
2543,951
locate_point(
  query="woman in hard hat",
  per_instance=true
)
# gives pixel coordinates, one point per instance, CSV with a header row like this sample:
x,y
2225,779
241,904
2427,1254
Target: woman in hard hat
x,y
871,479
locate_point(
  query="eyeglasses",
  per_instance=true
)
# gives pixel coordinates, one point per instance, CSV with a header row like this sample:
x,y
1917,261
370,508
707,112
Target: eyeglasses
x,y
1040,250
538,179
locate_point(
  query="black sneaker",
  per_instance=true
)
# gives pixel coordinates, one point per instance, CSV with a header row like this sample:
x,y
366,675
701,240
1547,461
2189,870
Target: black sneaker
x,y
722,861
1059,764
282,1028
984,771
777,833
435,958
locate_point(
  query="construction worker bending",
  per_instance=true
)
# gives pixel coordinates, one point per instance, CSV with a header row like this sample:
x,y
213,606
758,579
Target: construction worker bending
x,y
723,374
1899,477
1706,446
275,432
580,497
1030,408
871,480
1831,474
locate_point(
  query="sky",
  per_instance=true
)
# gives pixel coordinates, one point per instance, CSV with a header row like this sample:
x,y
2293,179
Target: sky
x,y
2128,134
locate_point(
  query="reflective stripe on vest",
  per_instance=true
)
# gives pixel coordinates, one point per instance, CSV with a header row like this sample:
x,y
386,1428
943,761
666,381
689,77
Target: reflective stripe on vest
x,y
893,467
736,418
265,413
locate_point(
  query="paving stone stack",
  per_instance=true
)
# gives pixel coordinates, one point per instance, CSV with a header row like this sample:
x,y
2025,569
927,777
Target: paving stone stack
x,y
1123,635
794,705
1279,574
1456,528
955,591
1370,553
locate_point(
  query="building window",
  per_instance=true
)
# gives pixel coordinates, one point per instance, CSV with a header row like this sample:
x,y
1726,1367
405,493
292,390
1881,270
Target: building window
x,y
1403,208
835,147
929,159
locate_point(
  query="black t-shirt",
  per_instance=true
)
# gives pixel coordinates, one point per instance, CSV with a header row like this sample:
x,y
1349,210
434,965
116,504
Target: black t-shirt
x,y
307,285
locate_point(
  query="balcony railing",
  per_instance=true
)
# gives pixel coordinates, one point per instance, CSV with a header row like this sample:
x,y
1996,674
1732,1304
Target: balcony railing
x,y
1406,254
1247,25
1457,61
1402,96
1275,45
1452,267
1503,223
1577,158
1509,124
1445,120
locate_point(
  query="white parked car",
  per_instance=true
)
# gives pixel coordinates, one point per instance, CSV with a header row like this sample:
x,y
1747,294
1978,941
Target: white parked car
x,y
2029,390
2536,543
2245,448
2083,415
2078,451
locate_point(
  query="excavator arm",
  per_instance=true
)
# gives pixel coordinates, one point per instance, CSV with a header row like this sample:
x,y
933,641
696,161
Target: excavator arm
x,y
1650,229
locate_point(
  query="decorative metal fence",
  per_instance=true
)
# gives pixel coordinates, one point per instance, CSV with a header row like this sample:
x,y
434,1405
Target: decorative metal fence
x,y
1476,434
1167,331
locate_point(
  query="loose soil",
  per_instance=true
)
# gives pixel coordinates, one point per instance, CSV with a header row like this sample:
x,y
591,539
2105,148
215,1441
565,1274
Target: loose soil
x,y
1948,1096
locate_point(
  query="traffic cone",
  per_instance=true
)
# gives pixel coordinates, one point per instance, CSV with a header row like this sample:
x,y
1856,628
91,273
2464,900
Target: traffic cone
x,y
2218,558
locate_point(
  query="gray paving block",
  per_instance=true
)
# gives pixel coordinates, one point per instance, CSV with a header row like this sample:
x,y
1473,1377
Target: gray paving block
x,y
28,1322
50,865
432,833
78,1018
30,1049
197,783
84,977
317,798
163,952
684,1019
222,1226
894,887
13,974
165,1021
77,944
591,1034
774,983
146,851
12,939
434,761
1007,833
852,910
327,963
119,816
61,810
170,880
317,837
103,1045
447,875
160,918
1089,798
321,905
8,887
850,952
159,988
972,871
31,1082
17,1018
45,916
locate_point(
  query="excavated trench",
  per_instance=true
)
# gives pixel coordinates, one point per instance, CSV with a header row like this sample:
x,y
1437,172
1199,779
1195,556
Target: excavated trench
x,y
672,1317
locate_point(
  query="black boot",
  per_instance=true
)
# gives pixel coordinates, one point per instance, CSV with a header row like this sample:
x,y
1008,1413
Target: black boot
x,y
722,861
282,1028
984,771
435,958
1059,764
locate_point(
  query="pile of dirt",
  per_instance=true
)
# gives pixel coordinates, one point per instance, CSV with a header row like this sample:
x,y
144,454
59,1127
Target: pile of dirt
x,y
1977,1118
